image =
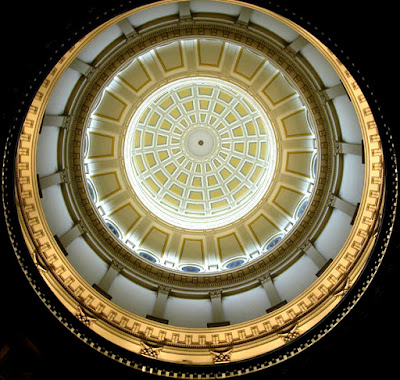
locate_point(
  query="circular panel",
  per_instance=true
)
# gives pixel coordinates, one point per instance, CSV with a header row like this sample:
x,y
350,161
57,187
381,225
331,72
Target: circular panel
x,y
200,142
200,153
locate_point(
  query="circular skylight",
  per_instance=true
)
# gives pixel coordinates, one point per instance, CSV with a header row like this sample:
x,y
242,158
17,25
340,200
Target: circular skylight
x,y
200,153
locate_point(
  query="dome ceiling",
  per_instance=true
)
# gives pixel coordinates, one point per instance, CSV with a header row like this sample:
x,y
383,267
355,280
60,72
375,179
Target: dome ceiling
x,y
217,184
200,154
206,148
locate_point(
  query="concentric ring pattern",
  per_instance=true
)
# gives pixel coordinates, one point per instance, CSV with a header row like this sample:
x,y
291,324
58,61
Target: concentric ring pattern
x,y
202,153
219,181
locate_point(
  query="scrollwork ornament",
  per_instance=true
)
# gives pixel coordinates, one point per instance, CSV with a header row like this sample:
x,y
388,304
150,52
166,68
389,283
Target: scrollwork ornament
x,y
293,333
221,356
38,262
343,289
84,317
150,351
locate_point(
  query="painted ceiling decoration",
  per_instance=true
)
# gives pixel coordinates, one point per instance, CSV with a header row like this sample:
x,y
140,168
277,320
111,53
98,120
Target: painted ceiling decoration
x,y
218,178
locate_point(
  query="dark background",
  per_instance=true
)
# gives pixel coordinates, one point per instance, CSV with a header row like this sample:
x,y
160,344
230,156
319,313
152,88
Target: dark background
x,y
36,346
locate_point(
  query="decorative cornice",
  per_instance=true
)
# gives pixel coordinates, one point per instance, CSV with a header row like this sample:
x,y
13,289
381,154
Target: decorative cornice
x,y
215,293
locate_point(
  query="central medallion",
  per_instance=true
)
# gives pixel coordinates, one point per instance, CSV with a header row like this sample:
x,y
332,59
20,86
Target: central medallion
x,y
200,142
200,153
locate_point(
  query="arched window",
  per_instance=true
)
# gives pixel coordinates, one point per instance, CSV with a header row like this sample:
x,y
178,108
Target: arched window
x,y
234,263
113,229
85,146
191,269
301,208
91,191
314,166
148,257
272,243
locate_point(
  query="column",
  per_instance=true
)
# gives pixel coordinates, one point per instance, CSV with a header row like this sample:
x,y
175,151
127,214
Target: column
x,y
58,121
105,283
315,256
127,28
342,205
184,11
66,239
297,44
159,306
218,318
52,180
348,148
244,17
272,294
334,92
81,67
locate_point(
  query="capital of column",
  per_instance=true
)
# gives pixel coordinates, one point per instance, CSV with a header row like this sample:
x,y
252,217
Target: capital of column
x,y
184,11
265,278
331,199
163,290
307,244
116,266
244,17
215,293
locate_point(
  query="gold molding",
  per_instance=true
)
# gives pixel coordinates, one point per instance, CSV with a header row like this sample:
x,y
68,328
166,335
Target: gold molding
x,y
287,117
162,232
298,152
128,204
142,85
255,71
112,146
175,67
269,98
219,245
262,215
191,239
276,196
118,119
209,64
116,178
